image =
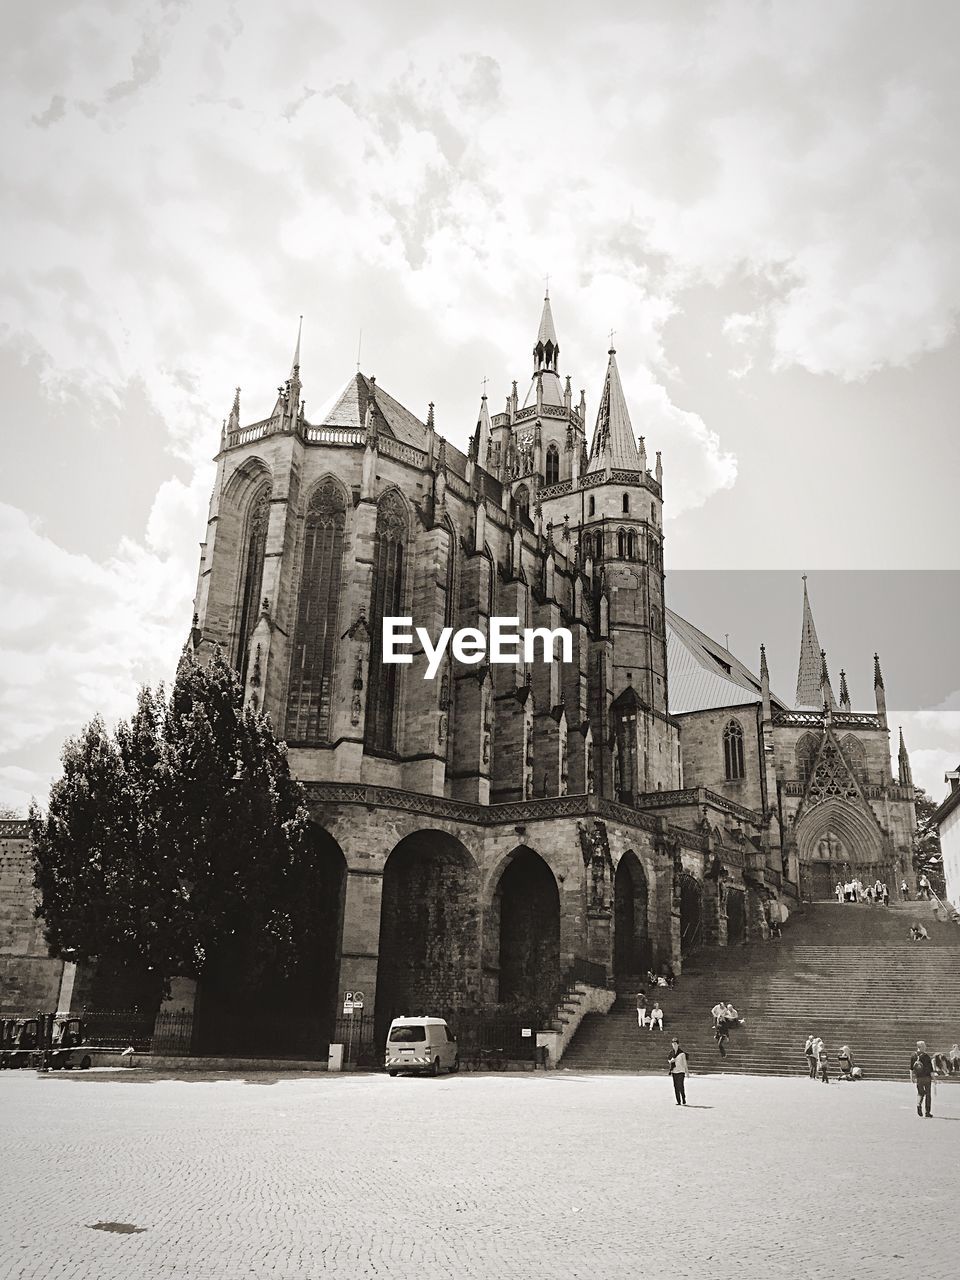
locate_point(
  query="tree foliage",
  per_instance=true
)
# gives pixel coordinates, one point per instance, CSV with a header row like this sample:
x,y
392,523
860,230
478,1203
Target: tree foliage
x,y
927,856
180,842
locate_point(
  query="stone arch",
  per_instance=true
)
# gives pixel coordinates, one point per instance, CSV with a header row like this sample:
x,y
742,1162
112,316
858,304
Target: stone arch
x,y
524,919
632,953
736,911
268,1013
839,839
251,473
429,952
691,913
552,469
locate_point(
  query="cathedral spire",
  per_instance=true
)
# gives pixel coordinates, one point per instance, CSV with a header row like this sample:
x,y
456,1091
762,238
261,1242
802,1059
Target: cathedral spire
x,y
879,691
808,675
546,351
905,773
295,367
483,433
844,692
614,444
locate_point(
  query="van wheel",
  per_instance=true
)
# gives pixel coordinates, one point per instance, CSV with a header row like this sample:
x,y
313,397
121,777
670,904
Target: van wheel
x,y
435,1069
456,1065
85,1062
392,1075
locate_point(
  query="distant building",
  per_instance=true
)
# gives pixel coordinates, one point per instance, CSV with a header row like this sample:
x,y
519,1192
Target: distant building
x,y
947,819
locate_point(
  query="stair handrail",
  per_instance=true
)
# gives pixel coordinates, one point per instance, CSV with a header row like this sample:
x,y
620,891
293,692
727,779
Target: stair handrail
x,y
949,911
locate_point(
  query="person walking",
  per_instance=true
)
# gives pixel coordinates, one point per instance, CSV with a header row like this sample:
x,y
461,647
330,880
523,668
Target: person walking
x,y
838,890
679,1070
656,1015
641,1009
921,1073
886,896
810,1053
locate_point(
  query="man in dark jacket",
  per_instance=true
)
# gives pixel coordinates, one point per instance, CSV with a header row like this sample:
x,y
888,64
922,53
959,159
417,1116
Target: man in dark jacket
x,y
921,1073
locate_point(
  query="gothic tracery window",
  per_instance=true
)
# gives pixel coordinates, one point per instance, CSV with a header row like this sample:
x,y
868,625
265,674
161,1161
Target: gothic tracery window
x,y
553,464
806,754
313,654
255,546
733,751
624,711
385,601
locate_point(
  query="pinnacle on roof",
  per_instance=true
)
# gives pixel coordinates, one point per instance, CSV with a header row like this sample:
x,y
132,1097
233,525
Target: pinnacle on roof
x,y
295,367
547,331
614,443
844,692
764,669
233,422
877,673
905,773
483,432
808,674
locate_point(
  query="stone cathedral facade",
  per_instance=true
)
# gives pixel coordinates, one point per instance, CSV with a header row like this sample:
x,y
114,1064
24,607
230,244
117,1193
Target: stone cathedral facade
x,y
484,831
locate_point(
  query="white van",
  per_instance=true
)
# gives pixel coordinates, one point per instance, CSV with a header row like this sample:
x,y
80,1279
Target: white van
x,y
421,1045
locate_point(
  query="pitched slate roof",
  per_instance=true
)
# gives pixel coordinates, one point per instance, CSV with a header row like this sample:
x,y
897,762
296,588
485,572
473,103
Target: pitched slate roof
x,y
613,438
702,674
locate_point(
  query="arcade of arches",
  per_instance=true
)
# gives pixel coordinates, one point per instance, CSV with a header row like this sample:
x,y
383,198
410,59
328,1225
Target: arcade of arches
x,y
632,951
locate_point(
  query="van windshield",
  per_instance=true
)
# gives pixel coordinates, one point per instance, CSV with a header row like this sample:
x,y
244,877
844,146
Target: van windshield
x,y
406,1035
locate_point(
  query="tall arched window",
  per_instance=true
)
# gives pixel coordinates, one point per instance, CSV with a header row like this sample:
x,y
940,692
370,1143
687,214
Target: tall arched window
x,y
622,544
591,505
624,712
631,544
313,654
385,601
522,496
255,547
807,748
626,504
553,464
733,751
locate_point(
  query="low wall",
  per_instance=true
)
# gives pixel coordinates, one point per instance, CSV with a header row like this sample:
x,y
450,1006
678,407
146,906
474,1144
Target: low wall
x,y
584,1000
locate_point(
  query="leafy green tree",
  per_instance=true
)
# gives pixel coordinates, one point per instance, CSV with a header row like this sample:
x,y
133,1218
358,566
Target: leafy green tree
x,y
927,856
180,844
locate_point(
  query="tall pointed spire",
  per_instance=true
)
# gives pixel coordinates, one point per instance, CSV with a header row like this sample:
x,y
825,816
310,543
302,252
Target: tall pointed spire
x,y
878,691
903,760
844,692
483,433
546,387
295,367
808,674
614,444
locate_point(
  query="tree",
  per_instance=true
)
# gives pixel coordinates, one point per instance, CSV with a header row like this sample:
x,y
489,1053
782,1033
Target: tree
x,y
7,811
180,843
927,857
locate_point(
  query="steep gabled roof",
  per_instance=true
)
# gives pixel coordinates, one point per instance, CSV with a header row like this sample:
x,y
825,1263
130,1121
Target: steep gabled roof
x,y
702,674
614,443
349,409
810,670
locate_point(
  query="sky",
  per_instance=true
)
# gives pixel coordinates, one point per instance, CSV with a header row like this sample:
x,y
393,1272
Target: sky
x,y
761,200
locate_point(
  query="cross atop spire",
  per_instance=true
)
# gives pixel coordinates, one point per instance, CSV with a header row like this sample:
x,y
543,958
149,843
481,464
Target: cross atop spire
x,y
614,444
809,671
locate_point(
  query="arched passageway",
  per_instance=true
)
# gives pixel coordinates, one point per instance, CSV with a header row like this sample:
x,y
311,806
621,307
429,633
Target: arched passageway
x,y
736,917
526,908
250,1008
632,953
691,913
429,941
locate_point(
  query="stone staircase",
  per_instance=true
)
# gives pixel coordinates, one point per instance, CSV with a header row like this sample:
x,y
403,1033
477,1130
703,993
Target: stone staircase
x,y
848,973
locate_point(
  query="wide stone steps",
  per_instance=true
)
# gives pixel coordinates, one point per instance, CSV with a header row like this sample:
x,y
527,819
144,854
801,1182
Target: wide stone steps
x,y
871,990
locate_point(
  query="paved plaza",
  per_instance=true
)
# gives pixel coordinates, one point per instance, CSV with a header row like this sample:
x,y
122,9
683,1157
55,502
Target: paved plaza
x,y
500,1176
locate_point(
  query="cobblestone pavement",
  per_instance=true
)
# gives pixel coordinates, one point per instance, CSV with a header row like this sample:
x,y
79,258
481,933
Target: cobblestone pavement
x,y
499,1176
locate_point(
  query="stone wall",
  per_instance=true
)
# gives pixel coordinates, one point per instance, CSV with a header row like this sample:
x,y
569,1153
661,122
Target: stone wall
x,y
29,977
